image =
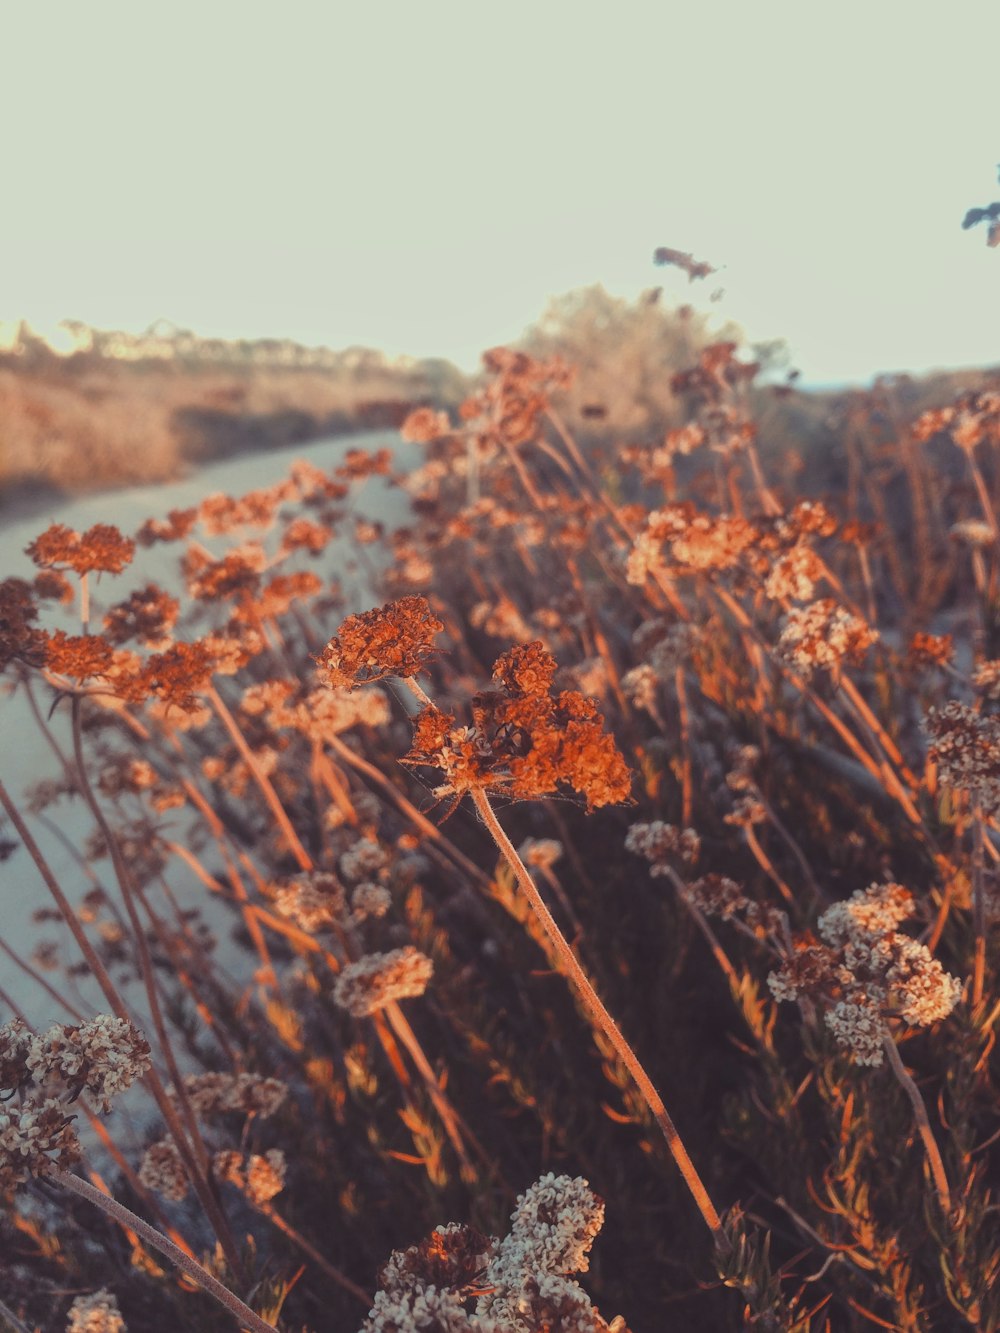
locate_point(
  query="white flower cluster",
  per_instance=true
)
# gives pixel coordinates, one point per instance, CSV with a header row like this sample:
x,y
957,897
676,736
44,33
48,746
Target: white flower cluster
x,y
823,634
378,979
521,1283
102,1057
47,1074
98,1313
658,842
867,972
313,899
966,748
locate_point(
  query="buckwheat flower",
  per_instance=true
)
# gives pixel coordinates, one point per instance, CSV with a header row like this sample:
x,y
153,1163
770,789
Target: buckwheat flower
x,y
928,650
173,528
866,972
313,899
424,425
393,640
104,1057
541,853
966,748
986,679
973,532
428,1310
639,686
101,549
659,842
148,614
163,1171
363,860
747,810
552,1229
20,640
824,634
452,1258
717,895
259,1177
370,899
378,979
245,1094
35,1135
794,575
98,1313
15,1047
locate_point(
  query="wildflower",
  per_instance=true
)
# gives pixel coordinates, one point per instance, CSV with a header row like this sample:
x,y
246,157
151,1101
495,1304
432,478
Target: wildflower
x,y
866,972
98,1313
370,899
524,742
173,528
428,1310
552,1229
102,1057
973,531
931,650
542,853
794,575
79,656
237,574
312,899
824,634
424,425
363,860
259,1177
393,640
966,748
986,679
148,614
35,1135
162,1170
179,674
452,1258
659,842
100,549
379,979
245,1094
20,641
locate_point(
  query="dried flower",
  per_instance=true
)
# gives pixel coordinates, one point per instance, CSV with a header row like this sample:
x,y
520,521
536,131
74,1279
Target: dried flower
x,y
393,640
379,979
162,1170
101,549
659,843
966,748
866,972
98,1313
259,1177
824,634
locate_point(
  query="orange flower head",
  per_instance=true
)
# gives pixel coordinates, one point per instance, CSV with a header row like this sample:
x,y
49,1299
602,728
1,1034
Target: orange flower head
x,y
393,640
101,549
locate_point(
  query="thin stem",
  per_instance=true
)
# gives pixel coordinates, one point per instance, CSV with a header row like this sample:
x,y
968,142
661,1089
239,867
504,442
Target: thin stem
x,y
923,1123
594,1006
126,1218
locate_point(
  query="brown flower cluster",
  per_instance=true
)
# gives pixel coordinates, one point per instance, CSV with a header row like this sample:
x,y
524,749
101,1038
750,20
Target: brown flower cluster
x,y
393,640
524,742
101,549
174,528
20,641
148,614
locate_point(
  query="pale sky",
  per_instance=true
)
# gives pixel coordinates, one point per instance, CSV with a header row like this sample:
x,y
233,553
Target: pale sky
x,y
421,176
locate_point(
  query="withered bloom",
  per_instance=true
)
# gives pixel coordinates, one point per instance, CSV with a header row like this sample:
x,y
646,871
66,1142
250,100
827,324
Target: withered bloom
x,y
178,675
525,742
19,639
392,640
101,549
148,614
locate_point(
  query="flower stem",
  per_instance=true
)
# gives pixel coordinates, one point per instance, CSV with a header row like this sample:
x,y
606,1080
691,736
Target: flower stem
x,y
594,1006
248,1320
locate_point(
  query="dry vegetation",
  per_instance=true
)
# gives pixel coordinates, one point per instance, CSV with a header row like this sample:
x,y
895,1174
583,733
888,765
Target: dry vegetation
x,y
635,854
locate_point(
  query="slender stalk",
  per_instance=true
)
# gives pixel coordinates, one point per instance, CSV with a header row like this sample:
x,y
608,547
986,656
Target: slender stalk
x,y
923,1123
594,1006
193,1154
126,1218
978,907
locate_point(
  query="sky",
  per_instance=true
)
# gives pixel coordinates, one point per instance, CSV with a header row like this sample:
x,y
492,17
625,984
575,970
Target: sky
x,y
421,176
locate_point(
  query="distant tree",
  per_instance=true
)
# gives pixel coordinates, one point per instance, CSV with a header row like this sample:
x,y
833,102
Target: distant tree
x,y
991,215
626,353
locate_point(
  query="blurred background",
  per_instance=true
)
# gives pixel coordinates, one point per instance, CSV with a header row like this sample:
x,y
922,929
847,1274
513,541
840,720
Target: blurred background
x,y
234,227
